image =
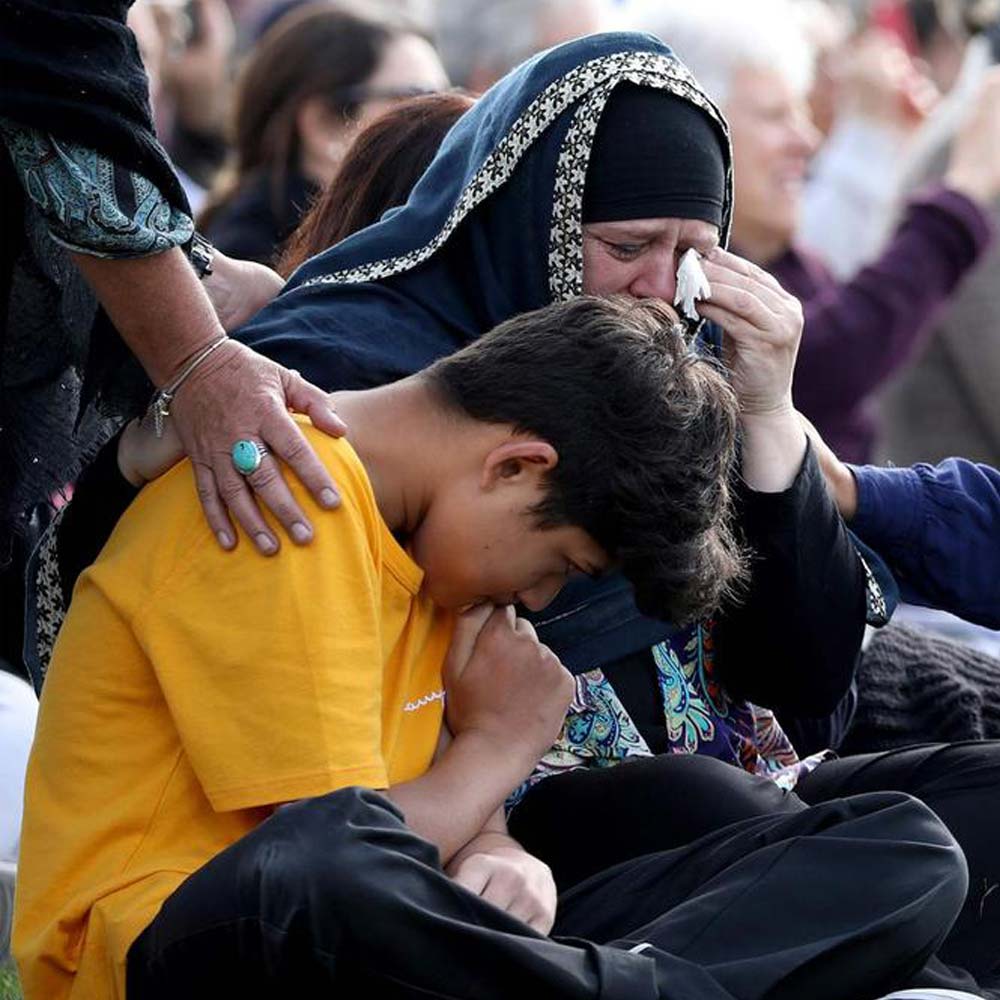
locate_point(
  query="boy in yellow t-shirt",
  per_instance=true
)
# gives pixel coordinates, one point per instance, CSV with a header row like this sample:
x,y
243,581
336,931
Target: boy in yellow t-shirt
x,y
242,785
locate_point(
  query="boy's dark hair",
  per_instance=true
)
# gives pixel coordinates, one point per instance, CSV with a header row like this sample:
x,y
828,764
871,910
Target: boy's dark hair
x,y
645,431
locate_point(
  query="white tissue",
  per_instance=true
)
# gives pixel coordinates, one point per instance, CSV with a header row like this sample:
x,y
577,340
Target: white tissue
x,y
692,285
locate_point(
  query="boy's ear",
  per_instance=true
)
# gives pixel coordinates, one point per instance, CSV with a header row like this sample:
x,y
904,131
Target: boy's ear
x,y
517,462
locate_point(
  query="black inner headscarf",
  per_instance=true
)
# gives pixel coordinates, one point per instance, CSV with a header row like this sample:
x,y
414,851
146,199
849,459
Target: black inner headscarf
x,y
655,156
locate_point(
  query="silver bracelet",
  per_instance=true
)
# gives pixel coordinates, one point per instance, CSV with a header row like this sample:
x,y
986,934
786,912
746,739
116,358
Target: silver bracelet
x,y
159,405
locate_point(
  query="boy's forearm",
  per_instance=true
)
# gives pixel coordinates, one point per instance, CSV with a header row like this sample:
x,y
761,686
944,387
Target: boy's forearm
x,y
462,793
493,838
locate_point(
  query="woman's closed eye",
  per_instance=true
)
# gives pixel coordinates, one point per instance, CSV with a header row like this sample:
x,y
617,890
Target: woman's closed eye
x,y
624,251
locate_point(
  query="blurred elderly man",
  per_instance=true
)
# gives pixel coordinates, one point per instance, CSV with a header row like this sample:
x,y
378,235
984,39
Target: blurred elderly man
x,y
757,65
481,40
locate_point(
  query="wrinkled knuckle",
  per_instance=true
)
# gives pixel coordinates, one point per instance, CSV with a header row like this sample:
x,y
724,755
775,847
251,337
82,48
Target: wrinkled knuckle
x,y
295,449
552,662
507,637
494,626
263,478
744,301
284,512
207,494
491,638
230,491
500,874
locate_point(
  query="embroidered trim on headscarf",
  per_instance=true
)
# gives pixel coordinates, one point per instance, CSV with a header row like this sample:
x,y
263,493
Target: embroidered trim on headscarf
x,y
595,80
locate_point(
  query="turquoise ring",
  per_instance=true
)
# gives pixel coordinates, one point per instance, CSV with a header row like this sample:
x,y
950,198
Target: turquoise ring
x,y
247,456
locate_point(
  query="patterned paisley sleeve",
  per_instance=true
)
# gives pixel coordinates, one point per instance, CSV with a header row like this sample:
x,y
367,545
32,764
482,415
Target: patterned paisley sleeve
x,y
90,204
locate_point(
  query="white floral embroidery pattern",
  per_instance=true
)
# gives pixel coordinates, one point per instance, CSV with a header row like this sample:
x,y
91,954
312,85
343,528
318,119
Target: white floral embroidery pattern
x,y
49,608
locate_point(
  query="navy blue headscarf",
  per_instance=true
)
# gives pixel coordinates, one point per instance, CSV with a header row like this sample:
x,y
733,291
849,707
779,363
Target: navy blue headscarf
x,y
492,229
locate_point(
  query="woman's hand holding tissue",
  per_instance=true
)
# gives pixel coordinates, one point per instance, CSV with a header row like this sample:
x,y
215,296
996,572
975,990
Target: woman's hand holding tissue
x,y
763,329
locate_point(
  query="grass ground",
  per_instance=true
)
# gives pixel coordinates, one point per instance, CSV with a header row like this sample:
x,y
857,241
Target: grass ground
x,y
9,988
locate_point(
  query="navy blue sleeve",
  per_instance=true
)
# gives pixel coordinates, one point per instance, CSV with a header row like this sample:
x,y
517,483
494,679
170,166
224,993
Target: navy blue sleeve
x,y
364,336
938,527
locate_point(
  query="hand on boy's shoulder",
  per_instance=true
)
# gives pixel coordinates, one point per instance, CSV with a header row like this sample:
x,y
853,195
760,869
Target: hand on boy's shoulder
x,y
502,683
164,530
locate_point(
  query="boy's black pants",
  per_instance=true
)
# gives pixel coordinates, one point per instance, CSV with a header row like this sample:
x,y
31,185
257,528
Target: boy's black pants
x,y
336,897
670,800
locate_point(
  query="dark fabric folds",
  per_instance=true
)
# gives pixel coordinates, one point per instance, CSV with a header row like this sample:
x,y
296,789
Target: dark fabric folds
x,y
71,69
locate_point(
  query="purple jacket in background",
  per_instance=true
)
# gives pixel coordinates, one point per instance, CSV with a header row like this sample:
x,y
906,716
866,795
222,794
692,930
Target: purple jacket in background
x,y
859,332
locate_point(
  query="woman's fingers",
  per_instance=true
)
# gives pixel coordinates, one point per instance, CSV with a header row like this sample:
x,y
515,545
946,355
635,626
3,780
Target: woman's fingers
x,y
238,395
236,494
772,295
763,326
221,486
214,508
735,273
303,397
735,325
739,308
746,292
269,485
740,265
285,439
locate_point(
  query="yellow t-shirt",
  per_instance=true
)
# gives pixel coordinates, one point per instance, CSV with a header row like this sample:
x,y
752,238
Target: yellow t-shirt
x,y
192,690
